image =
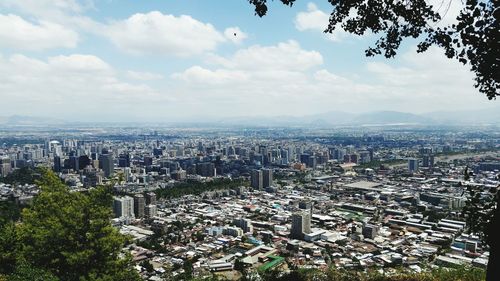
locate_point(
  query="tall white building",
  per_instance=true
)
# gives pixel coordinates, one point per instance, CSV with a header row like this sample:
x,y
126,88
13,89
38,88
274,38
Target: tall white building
x,y
124,207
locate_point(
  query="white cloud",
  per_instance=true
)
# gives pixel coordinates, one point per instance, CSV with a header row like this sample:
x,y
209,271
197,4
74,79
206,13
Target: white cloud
x,y
199,74
15,32
47,8
277,79
284,79
428,82
139,75
74,86
235,35
79,63
283,56
316,20
160,34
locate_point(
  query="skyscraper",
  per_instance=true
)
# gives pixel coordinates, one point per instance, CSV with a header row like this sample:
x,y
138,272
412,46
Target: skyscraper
x,y
106,164
428,161
5,166
301,224
412,165
257,180
139,203
267,175
151,198
124,207
57,164
150,211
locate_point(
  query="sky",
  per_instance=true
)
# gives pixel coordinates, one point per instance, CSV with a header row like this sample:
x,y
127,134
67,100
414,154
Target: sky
x,y
166,60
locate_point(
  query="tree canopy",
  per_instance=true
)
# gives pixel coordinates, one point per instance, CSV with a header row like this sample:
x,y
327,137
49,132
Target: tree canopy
x,y
473,39
67,235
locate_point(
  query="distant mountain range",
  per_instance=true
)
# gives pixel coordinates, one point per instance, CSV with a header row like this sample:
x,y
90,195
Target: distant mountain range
x,y
338,118
489,116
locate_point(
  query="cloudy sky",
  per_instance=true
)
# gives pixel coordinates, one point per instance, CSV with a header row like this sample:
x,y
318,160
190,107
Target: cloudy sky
x,y
150,60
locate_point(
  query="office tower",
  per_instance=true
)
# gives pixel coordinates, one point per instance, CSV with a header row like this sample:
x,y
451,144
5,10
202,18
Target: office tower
x,y
339,154
57,164
5,166
428,161
412,165
206,169
106,164
74,162
124,207
148,160
151,198
370,231
425,150
371,152
267,178
304,158
364,156
301,224
150,211
284,157
124,160
139,203
83,161
312,162
307,206
244,224
257,181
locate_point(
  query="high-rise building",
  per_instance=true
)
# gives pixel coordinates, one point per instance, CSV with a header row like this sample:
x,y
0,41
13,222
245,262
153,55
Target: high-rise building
x,y
307,206
244,224
267,178
124,160
428,161
150,211
139,203
57,164
370,231
124,207
301,224
5,166
257,181
412,165
151,198
106,164
206,169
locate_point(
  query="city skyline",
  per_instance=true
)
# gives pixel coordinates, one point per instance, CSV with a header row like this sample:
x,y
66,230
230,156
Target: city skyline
x,y
150,61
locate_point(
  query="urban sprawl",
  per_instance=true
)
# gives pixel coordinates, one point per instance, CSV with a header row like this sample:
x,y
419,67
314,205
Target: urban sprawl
x,y
222,200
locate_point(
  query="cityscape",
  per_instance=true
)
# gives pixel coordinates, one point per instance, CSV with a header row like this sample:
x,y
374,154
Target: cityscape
x,y
249,140
235,200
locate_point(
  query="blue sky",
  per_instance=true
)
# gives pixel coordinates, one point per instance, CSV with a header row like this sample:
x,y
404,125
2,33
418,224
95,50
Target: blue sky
x,y
171,60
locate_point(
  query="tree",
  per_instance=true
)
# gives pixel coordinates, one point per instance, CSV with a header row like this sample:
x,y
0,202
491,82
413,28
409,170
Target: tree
x,y
69,234
25,272
483,217
473,40
147,266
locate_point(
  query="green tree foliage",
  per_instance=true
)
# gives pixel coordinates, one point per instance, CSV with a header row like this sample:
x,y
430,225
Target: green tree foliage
x,y
472,41
67,234
25,272
24,175
196,188
8,245
9,212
